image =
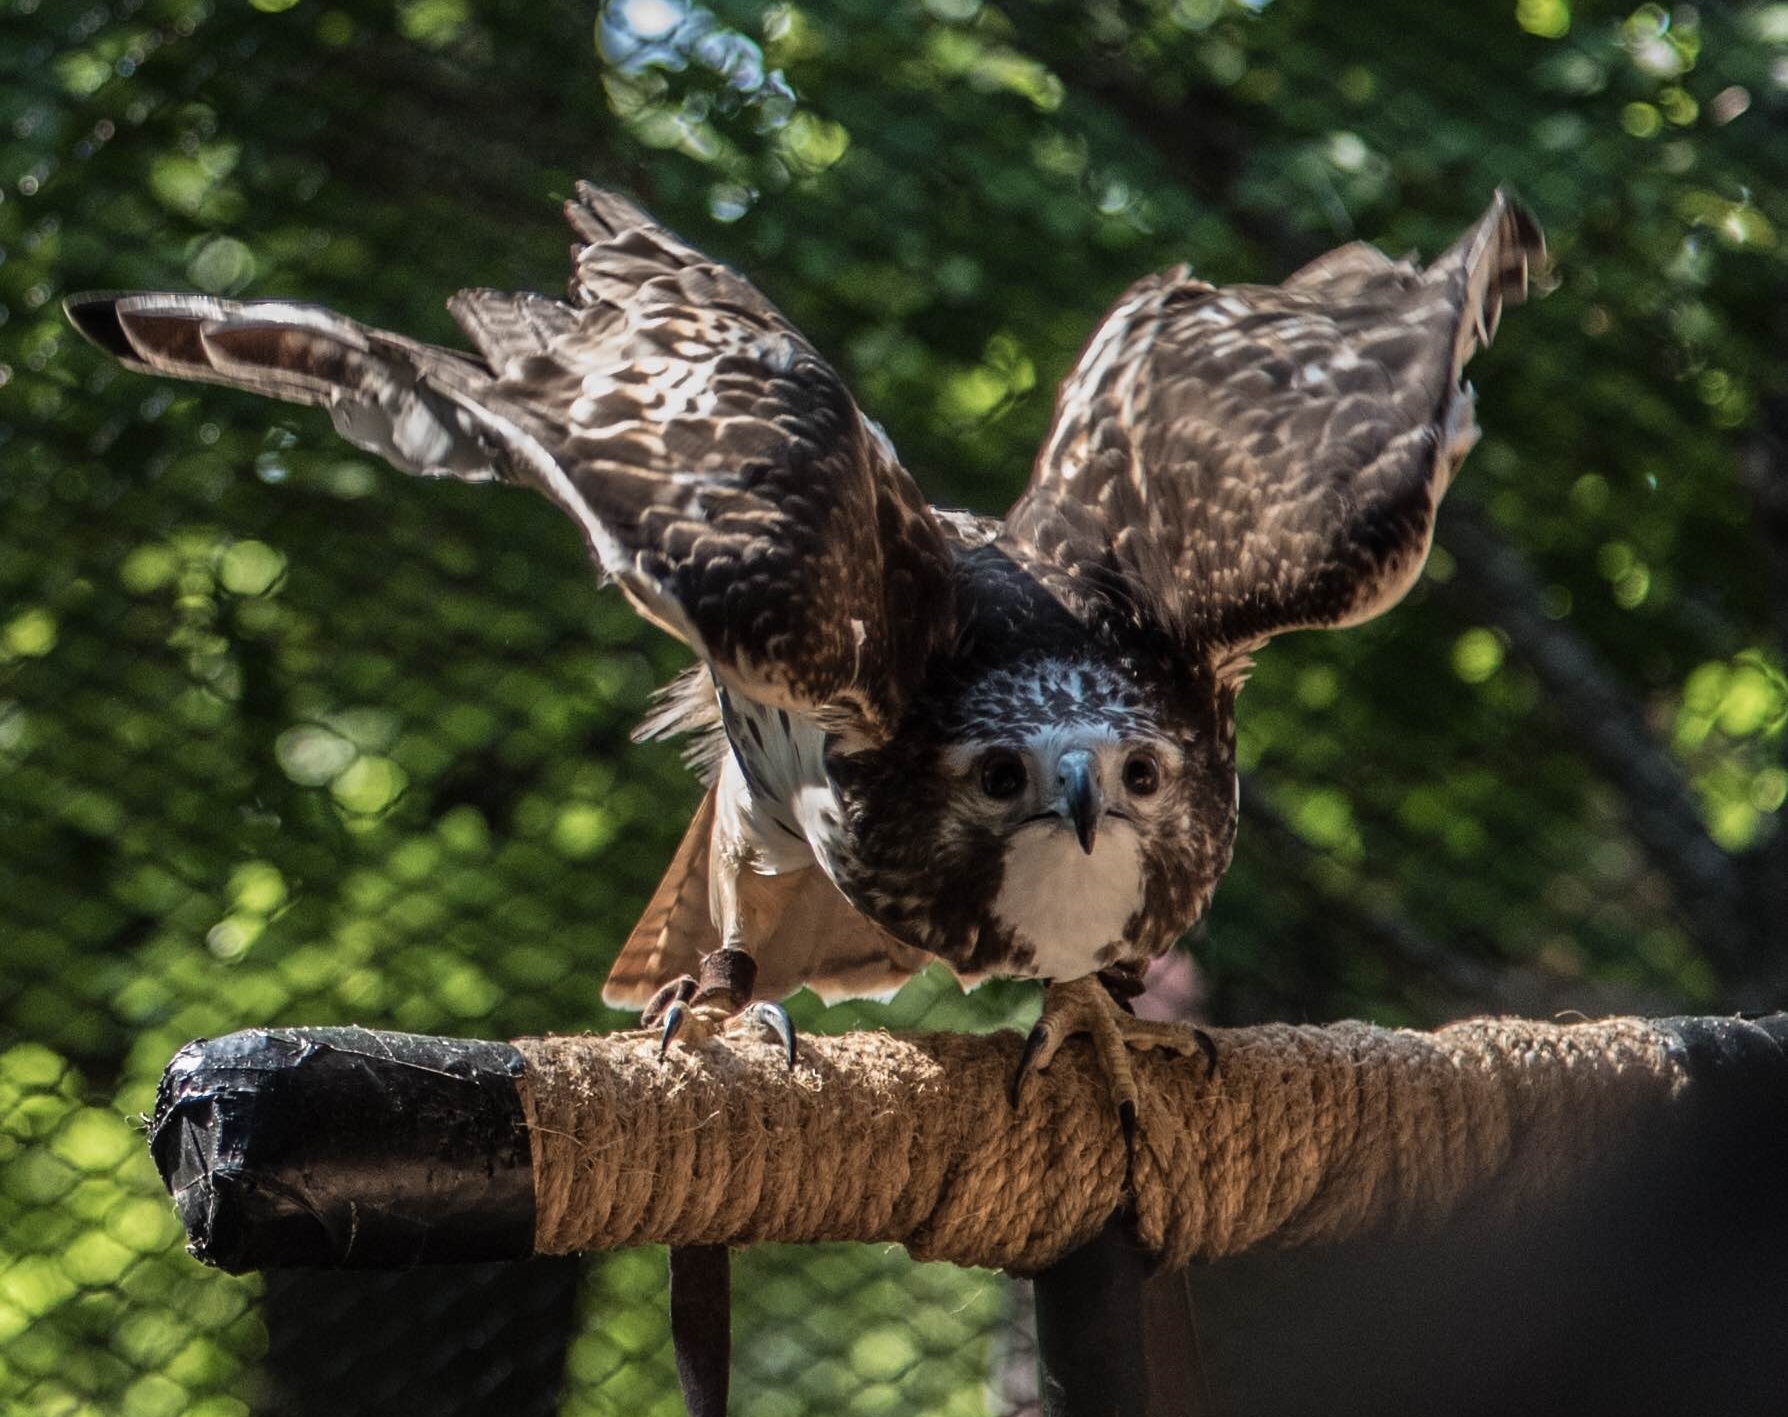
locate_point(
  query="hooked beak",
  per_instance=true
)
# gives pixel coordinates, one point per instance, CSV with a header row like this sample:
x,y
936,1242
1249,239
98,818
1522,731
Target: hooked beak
x,y
1082,802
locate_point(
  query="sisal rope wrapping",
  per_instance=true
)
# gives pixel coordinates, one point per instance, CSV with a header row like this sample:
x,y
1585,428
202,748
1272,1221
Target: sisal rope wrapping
x,y
1305,1135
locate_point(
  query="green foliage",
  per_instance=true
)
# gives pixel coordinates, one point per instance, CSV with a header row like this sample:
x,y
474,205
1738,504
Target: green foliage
x,y
285,737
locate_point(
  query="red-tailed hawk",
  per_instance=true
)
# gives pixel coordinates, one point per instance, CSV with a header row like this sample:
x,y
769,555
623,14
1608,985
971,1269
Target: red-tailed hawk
x,y
1006,743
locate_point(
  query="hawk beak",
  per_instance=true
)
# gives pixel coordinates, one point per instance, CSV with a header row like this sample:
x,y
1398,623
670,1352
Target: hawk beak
x,y
1081,798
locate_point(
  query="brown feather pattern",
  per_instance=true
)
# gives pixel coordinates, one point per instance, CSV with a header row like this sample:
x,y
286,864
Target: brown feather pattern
x,y
1224,465
1266,458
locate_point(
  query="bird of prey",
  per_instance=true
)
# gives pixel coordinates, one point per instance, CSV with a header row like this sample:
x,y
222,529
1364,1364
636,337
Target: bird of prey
x,y
1008,743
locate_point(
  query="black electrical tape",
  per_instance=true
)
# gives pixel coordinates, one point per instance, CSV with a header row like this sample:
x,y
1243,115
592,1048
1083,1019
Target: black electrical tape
x,y
345,1147
1735,1059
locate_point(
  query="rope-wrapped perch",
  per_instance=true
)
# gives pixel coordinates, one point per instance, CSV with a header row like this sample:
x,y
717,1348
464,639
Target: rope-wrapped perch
x,y
552,1145
1304,1134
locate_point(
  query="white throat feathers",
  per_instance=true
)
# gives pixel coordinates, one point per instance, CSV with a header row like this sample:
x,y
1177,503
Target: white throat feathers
x,y
1064,903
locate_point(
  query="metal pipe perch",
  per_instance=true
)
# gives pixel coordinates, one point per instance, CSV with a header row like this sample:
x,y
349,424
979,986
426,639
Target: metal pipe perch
x,y
341,1146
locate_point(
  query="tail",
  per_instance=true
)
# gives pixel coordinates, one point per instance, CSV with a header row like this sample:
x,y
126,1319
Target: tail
x,y
677,929
809,934
415,405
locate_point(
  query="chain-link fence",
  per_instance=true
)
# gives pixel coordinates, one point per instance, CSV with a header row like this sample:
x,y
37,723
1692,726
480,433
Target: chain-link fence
x,y
286,737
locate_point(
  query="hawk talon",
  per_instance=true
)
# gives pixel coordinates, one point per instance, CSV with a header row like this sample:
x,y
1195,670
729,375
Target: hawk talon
x,y
1027,1061
675,1017
1207,1048
1086,1006
774,1018
694,1010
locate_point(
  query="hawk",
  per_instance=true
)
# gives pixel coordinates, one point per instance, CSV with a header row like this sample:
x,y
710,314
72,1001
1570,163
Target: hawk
x,y
1007,743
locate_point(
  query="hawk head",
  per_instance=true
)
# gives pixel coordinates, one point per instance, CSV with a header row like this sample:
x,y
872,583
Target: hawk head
x,y
1051,816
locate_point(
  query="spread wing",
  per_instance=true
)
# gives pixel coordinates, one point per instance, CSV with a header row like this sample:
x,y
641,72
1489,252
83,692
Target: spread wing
x,y
1256,459
717,467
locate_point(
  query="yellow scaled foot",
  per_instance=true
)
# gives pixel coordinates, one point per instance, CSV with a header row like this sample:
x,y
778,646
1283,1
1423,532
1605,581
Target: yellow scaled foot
x,y
690,1010
1086,1006
692,1026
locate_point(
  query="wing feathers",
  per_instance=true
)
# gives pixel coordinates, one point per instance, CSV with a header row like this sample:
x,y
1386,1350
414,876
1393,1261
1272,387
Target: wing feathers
x,y
411,403
716,466
508,329
1497,256
624,251
1270,457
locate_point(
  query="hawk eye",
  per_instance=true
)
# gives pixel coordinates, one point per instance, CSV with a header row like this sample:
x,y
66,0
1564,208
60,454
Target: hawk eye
x,y
1142,775
1002,774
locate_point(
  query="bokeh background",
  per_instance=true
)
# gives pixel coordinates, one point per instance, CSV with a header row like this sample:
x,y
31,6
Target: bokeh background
x,y
286,737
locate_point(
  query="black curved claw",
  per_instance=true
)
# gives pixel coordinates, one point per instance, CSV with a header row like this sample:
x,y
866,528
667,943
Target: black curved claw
x,y
674,1018
1039,1035
1207,1047
775,1018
